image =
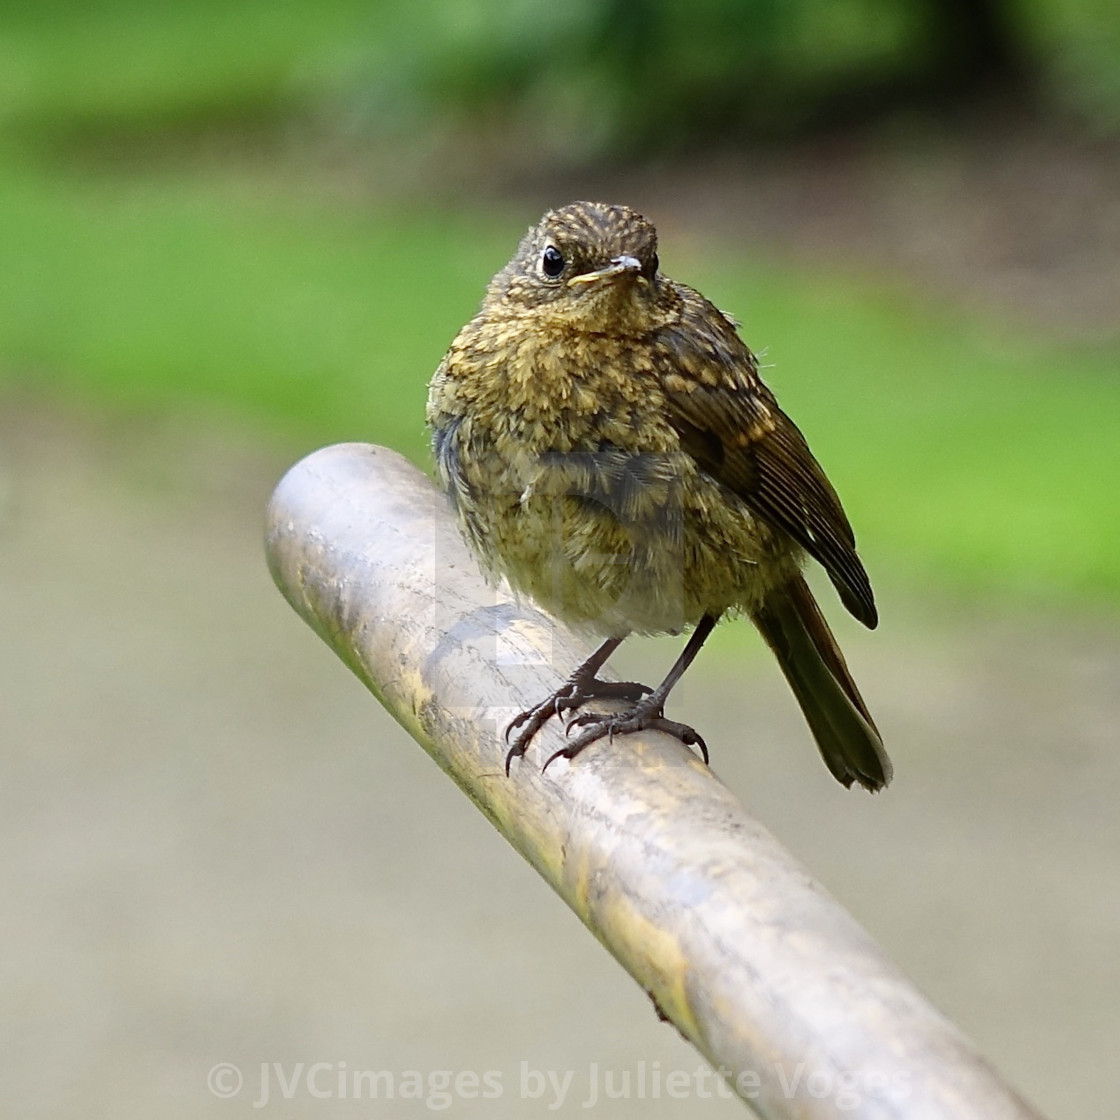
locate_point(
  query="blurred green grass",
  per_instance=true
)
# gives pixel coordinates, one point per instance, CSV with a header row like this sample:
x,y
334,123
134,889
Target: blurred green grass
x,y
163,293
132,65
966,458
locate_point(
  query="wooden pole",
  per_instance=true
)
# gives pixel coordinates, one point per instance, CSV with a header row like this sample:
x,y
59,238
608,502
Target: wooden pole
x,y
753,962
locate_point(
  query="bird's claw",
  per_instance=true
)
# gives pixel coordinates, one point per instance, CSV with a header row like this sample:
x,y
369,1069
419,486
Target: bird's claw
x,y
646,714
566,700
625,723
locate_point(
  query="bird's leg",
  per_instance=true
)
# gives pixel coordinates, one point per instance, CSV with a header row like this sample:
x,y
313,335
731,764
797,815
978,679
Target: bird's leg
x,y
581,686
648,714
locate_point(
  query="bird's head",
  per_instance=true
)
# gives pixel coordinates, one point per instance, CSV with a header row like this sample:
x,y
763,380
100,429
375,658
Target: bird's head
x,y
588,267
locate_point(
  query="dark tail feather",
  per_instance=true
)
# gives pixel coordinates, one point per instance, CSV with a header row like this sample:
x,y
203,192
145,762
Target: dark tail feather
x,y
794,628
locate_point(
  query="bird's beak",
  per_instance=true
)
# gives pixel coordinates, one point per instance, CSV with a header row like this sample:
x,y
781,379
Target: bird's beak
x,y
619,266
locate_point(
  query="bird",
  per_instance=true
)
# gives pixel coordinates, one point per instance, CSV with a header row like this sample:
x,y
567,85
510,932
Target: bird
x,y
608,446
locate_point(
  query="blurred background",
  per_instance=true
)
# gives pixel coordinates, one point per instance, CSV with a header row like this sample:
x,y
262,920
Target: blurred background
x,y
230,233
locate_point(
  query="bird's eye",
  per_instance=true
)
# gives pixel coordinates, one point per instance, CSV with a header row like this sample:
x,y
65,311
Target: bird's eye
x,y
552,262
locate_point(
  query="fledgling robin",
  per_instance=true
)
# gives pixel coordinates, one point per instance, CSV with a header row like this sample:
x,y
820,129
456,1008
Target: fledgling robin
x,y
609,447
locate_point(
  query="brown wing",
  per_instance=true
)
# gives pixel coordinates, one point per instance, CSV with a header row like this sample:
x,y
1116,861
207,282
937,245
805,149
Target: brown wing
x,y
732,426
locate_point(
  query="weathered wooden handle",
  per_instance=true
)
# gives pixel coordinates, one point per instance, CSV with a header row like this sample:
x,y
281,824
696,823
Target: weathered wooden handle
x,y
756,965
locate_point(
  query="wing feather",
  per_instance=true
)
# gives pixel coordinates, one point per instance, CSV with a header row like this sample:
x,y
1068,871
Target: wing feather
x,y
732,426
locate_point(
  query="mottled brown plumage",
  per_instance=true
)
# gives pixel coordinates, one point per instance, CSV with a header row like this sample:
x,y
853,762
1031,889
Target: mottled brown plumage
x,y
609,447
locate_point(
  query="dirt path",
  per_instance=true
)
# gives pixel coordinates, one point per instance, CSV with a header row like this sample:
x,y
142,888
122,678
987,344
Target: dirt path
x,y
219,849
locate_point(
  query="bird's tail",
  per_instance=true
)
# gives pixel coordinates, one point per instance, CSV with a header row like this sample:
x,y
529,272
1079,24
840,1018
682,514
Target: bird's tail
x,y
794,628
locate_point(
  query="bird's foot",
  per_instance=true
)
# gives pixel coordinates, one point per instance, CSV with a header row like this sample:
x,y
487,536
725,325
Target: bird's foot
x,y
576,690
647,715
